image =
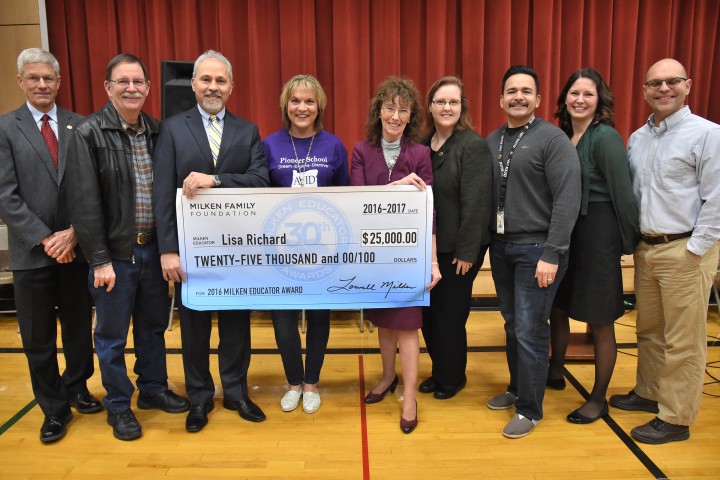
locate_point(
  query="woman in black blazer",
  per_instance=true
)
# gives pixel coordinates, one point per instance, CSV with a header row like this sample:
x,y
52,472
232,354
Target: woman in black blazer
x,y
462,189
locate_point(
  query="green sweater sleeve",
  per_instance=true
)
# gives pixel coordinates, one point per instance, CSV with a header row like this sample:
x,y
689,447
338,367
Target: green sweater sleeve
x,y
610,158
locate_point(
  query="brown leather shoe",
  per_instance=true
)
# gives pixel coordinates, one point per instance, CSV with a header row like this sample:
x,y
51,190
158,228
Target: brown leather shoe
x,y
657,431
633,401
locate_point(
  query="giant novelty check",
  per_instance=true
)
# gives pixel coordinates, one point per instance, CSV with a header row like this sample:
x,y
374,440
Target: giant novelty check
x,y
325,248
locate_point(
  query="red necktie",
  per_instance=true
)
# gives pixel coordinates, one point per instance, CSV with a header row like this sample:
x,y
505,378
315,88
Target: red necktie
x,y
50,139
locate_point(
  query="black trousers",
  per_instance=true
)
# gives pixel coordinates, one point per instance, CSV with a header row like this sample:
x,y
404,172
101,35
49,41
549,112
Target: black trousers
x,y
285,323
233,353
444,320
37,294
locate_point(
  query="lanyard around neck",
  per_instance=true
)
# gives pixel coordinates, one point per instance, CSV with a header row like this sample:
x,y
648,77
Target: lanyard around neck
x,y
504,171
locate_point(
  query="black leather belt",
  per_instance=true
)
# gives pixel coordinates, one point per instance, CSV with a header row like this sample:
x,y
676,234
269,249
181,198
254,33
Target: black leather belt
x,y
144,238
665,238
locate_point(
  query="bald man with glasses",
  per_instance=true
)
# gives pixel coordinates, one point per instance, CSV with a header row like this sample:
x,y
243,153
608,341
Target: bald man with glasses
x,y
675,164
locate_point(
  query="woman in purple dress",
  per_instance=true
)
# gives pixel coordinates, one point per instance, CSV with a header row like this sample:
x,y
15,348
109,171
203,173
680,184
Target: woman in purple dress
x,y
390,156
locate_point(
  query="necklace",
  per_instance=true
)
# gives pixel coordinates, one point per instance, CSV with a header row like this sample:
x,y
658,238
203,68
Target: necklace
x,y
391,152
301,167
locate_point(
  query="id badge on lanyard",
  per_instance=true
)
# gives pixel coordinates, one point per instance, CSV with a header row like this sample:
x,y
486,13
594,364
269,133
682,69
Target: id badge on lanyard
x,y
500,221
305,179
504,171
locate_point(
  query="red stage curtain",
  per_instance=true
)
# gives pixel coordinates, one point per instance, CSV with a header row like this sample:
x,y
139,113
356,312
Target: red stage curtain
x,y
351,45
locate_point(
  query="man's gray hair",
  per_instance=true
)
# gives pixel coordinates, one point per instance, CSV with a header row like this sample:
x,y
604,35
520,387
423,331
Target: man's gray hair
x,y
215,55
36,55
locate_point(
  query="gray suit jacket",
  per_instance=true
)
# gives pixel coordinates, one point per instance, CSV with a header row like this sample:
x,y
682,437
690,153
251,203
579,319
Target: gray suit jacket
x,y
32,200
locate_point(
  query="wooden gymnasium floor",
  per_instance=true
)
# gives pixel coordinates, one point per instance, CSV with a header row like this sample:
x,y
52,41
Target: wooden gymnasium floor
x,y
457,438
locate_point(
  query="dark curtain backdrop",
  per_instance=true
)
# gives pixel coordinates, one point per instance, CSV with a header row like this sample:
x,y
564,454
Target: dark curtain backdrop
x,y
351,45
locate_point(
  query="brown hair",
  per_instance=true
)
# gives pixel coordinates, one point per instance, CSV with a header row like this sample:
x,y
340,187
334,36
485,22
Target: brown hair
x,y
605,112
404,90
464,122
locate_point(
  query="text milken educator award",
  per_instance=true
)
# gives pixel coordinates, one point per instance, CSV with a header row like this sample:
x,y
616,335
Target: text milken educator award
x,y
321,248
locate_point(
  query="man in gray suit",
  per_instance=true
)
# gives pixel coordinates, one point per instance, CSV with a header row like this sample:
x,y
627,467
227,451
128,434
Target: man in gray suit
x,y
48,268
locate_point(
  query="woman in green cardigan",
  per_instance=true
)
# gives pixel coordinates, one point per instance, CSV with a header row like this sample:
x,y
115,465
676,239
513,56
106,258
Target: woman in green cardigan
x,y
607,227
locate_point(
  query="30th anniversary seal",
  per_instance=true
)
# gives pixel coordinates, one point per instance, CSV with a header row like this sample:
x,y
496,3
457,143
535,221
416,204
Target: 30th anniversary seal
x,y
316,234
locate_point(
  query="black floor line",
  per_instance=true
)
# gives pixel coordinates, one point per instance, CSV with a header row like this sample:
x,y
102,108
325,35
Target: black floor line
x,y
345,351
4,427
624,437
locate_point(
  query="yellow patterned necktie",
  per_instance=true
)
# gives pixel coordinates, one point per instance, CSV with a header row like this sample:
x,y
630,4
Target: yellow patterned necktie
x,y
215,136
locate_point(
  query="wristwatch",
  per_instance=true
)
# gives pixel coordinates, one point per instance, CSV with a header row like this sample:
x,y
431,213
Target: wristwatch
x,y
216,181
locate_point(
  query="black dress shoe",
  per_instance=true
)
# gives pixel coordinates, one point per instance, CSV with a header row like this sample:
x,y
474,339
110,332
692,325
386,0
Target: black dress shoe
x,y
428,386
53,428
657,431
246,408
84,402
444,392
198,416
166,401
632,401
576,417
125,425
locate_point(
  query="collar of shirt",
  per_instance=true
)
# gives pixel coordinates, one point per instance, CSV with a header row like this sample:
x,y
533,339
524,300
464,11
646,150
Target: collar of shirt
x,y
670,121
37,116
131,130
206,116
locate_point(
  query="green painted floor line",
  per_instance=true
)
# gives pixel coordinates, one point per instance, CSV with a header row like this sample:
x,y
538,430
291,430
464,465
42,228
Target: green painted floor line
x,y
17,417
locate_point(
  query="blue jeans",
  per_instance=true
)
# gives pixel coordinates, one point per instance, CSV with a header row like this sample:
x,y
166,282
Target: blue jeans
x,y
526,309
141,292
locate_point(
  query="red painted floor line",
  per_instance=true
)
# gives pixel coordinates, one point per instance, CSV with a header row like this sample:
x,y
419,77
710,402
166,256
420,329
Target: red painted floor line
x,y
363,421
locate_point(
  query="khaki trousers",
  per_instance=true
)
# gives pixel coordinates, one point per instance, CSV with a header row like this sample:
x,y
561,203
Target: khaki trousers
x,y
672,293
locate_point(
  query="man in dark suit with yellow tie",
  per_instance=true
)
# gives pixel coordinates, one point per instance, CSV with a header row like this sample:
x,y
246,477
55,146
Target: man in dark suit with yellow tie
x,y
207,147
48,268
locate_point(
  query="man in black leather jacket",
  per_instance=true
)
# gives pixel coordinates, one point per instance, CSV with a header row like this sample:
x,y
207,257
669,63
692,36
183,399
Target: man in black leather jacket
x,y
109,178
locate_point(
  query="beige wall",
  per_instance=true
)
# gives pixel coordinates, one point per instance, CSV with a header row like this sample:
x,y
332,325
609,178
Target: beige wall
x,y
19,29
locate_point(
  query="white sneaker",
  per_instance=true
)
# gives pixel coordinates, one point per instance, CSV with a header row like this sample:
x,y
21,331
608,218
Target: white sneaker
x,y
311,402
290,400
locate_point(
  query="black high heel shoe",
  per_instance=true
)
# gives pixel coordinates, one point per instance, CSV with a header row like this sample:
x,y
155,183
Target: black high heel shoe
x,y
377,397
407,426
576,417
556,383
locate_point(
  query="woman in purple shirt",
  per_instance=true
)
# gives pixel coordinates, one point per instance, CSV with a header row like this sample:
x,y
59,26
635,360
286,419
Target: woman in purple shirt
x,y
391,156
303,155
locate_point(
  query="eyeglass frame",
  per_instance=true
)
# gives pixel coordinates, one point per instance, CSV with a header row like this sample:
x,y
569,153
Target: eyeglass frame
x,y
125,83
34,80
391,111
441,103
675,82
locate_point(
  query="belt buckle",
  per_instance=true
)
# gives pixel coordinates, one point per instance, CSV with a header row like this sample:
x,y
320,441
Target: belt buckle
x,y
143,238
666,238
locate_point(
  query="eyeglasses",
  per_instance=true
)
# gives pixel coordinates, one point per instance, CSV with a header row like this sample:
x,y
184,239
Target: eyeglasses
x,y
390,111
125,83
441,103
670,82
33,80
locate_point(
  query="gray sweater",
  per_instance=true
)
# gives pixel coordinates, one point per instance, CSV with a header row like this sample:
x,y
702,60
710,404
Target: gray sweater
x,y
543,187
